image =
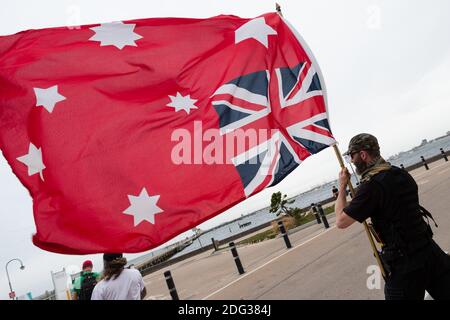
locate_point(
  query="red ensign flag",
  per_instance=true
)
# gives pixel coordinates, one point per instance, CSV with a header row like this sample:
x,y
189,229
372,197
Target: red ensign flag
x,y
129,133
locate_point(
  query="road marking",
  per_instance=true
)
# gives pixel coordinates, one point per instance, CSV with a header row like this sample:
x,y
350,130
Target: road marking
x,y
265,264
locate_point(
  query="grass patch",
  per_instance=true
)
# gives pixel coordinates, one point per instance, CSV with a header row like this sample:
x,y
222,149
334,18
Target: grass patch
x,y
270,234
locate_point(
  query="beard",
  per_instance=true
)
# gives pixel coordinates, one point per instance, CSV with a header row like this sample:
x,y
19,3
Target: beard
x,y
360,166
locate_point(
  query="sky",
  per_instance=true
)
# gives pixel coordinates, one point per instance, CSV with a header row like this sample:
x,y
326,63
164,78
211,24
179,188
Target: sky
x,y
386,66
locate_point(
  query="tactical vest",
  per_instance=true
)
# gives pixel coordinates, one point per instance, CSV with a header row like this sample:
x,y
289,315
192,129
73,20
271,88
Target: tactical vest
x,y
401,225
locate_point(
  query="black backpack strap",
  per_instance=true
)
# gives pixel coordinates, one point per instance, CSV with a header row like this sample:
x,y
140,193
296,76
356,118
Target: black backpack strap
x,y
427,215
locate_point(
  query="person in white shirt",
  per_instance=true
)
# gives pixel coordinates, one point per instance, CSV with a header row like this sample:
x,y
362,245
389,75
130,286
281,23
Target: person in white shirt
x,y
119,283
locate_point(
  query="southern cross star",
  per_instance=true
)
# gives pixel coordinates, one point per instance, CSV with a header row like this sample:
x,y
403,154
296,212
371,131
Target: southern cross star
x,y
180,102
48,98
116,34
143,207
33,160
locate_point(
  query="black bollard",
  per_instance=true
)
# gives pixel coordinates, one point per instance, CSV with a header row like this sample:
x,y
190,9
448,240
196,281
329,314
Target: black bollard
x,y
444,154
214,244
236,258
171,285
322,215
425,163
314,209
284,234
402,167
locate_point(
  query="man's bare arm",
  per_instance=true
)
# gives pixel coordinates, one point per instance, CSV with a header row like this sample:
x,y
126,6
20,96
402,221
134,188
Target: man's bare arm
x,y
342,219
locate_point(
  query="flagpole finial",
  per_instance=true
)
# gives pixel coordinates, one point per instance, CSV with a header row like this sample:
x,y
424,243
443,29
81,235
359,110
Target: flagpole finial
x,y
278,8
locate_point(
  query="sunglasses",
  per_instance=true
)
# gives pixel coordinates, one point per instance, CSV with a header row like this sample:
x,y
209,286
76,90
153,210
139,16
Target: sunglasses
x,y
354,152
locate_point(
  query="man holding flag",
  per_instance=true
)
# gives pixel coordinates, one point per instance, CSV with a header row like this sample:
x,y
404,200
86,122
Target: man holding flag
x,y
389,196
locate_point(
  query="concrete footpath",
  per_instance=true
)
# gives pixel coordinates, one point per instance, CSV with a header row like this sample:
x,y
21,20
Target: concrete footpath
x,y
322,264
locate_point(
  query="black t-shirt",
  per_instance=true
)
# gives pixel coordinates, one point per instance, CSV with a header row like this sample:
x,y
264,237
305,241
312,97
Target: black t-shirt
x,y
366,203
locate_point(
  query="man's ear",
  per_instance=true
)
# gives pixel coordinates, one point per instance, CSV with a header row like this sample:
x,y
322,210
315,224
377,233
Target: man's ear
x,y
364,155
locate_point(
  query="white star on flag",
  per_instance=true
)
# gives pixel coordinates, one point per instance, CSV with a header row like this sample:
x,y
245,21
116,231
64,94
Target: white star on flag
x,y
143,207
48,98
182,103
115,33
256,29
33,160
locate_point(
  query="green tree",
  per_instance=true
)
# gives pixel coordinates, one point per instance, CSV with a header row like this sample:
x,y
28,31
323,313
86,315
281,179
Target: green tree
x,y
278,205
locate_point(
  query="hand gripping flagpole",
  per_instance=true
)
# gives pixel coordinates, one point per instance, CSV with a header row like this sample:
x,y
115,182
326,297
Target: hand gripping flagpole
x,y
366,227
352,190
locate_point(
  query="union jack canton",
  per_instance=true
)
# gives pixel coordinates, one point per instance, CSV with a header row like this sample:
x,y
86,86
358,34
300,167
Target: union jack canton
x,y
290,102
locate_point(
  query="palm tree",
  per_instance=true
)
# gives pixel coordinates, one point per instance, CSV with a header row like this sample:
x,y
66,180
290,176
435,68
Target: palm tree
x,y
278,204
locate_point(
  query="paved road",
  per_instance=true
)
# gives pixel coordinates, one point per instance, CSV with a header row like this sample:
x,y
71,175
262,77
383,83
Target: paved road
x,y
331,264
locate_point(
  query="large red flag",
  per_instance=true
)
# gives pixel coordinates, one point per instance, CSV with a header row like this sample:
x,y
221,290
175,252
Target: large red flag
x,y
129,133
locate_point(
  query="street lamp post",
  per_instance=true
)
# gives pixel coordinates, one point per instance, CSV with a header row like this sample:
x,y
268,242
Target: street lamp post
x,y
7,274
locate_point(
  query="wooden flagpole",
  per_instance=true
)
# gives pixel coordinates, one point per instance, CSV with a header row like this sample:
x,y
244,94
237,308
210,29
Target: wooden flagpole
x,y
352,190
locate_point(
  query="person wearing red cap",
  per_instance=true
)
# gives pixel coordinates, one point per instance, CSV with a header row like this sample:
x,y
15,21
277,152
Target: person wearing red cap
x,y
85,283
87,265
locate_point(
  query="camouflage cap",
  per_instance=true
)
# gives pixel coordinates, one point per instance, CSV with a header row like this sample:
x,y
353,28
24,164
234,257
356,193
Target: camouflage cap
x,y
362,141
